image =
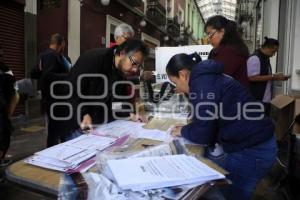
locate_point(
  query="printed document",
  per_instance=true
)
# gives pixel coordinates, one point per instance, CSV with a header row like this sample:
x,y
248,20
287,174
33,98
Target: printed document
x,y
70,154
157,172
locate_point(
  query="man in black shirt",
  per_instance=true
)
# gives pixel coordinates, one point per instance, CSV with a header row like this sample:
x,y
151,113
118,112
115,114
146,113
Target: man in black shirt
x,y
97,100
51,67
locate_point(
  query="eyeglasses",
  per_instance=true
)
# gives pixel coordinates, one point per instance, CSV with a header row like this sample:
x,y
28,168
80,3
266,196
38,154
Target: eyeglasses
x,y
134,63
210,35
127,36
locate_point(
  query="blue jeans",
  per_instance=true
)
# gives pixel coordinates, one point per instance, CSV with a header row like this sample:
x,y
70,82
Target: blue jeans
x,y
246,168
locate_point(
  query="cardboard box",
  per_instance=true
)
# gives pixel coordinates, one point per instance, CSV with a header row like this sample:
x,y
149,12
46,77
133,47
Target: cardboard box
x,y
283,111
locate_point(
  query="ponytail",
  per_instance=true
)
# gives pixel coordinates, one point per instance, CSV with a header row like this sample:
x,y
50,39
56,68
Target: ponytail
x,y
182,61
270,42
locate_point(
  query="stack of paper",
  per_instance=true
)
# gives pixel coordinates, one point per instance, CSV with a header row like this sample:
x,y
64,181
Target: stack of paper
x,y
121,128
69,155
146,173
163,124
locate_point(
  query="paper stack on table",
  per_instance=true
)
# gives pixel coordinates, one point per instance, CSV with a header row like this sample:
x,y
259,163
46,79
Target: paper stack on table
x,y
121,128
69,155
146,173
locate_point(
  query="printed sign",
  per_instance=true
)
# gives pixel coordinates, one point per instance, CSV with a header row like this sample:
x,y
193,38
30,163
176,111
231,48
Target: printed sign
x,y
164,54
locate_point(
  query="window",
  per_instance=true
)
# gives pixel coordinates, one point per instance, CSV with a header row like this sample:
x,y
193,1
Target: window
x,y
170,8
48,4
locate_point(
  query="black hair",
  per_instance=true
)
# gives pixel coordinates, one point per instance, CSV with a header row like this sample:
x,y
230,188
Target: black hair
x,y
182,61
132,46
270,43
57,39
231,34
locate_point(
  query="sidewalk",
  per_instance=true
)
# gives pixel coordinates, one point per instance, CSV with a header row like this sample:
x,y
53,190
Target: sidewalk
x,y
28,137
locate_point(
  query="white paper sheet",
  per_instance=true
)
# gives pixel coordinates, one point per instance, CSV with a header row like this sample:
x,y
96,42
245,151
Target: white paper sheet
x,y
71,154
90,141
157,172
120,128
60,152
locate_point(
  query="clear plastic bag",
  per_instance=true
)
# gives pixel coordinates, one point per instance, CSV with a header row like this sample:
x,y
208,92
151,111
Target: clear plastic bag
x,y
100,185
73,187
133,147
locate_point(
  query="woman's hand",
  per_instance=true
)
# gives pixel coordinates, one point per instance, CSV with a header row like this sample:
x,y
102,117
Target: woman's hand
x,y
138,118
86,123
176,131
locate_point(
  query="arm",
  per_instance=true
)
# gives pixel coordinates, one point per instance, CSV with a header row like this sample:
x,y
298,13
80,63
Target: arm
x,y
12,94
200,131
259,78
253,70
13,104
204,126
90,86
50,69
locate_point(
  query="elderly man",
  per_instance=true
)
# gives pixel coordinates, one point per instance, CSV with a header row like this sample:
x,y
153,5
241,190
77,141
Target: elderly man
x,y
97,99
122,33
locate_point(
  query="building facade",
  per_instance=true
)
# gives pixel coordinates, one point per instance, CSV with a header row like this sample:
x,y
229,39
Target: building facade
x,y
90,24
194,22
27,26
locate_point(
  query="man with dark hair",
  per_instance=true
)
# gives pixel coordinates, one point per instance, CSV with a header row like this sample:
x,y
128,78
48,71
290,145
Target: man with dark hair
x,y
260,75
94,77
51,66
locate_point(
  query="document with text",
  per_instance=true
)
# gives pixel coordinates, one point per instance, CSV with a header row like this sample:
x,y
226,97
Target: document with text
x,y
157,172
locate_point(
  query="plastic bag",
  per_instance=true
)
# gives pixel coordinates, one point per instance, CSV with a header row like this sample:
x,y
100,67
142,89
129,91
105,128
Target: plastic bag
x,y
133,147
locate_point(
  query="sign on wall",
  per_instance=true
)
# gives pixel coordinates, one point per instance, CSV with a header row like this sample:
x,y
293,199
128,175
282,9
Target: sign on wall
x,y
164,54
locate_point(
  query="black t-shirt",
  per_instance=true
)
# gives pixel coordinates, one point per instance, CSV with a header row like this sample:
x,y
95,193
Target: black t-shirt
x,y
7,82
6,93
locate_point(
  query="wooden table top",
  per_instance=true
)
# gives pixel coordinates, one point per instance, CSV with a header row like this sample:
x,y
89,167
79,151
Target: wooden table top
x,y
34,177
47,181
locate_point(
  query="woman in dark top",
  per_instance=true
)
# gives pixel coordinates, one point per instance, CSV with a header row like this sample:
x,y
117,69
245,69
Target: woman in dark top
x,y
247,138
228,47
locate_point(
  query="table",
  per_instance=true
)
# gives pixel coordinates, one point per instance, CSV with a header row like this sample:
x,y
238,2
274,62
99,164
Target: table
x,y
35,178
47,181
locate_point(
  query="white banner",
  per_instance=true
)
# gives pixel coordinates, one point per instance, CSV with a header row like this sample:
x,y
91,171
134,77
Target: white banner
x,y
164,54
